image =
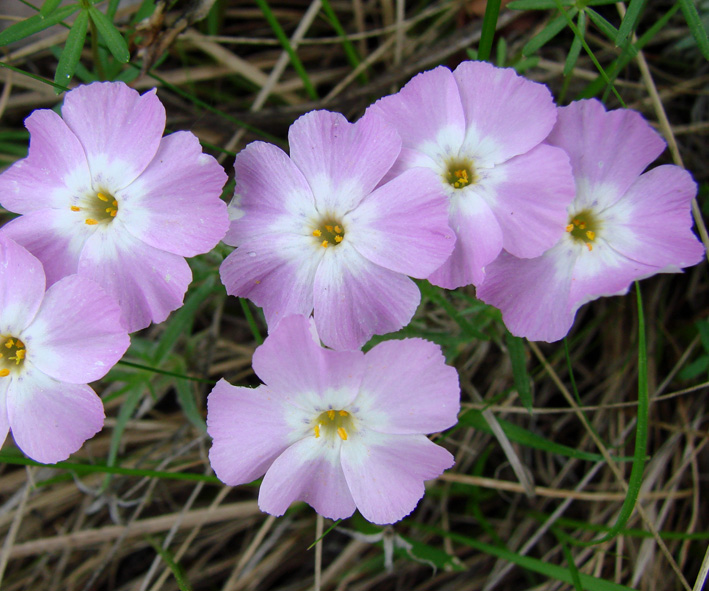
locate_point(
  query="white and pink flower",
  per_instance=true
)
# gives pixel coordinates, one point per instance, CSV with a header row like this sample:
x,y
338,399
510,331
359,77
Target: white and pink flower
x,y
104,195
51,345
340,430
479,131
315,235
622,226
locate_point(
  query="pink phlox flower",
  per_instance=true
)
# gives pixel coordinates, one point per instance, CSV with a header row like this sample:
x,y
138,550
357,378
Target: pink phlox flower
x,y
479,131
51,345
340,430
104,195
622,226
315,235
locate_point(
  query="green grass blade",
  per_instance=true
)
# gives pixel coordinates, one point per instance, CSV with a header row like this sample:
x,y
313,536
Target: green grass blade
x,y
72,50
576,45
285,42
177,572
114,40
554,27
518,358
573,570
696,27
35,24
49,7
630,21
349,49
538,4
434,294
164,372
186,398
492,11
251,320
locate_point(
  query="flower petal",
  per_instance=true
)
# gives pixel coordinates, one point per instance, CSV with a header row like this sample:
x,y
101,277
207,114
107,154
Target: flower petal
x,y
50,420
478,240
55,236
355,299
21,286
342,162
532,192
119,129
606,149
146,282
175,205
54,171
505,114
385,473
408,388
403,225
248,431
77,335
4,421
309,471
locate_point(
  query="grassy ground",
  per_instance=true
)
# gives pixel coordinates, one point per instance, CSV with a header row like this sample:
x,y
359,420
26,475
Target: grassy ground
x,y
138,507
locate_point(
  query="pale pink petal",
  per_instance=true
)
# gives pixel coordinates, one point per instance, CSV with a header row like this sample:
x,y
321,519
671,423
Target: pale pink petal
x,y
175,205
291,363
408,388
385,473
533,294
248,429
607,149
505,114
55,236
355,299
50,420
403,225
22,286
428,115
4,421
119,129
77,335
308,471
146,282
532,192
342,162
478,240
54,172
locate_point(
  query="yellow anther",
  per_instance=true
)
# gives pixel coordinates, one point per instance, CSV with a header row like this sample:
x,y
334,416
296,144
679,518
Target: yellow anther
x,y
338,230
317,233
590,235
4,373
19,356
343,413
110,210
338,239
10,343
316,428
101,196
324,244
113,213
331,415
342,433
328,228
576,222
91,222
115,203
590,246
569,227
582,225
75,208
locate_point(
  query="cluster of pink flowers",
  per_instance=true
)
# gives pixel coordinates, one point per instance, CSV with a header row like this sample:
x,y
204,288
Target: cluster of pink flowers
x,y
471,176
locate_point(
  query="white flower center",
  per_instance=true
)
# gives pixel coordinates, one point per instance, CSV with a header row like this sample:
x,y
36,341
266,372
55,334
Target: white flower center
x,y
583,228
12,354
329,232
459,173
98,208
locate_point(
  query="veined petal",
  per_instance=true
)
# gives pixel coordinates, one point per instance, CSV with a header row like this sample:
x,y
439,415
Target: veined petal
x,y
403,225
478,240
54,171
248,429
385,473
291,363
119,129
505,114
50,420
532,192
175,205
21,286
4,421
355,299
342,162
533,294
408,389
55,236
77,335
146,282
307,471
607,149
428,114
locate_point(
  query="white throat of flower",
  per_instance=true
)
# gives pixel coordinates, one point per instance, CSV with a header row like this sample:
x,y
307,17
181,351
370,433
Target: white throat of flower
x,y
12,355
334,425
99,208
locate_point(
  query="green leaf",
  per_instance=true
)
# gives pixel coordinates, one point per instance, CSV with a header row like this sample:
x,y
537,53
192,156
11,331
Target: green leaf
x,y
696,27
35,23
177,571
114,40
552,29
518,357
72,50
538,4
576,45
492,11
49,7
186,397
630,21
603,25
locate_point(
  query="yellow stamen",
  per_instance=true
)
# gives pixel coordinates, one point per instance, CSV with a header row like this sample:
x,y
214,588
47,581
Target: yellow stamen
x,y
113,213
328,228
324,244
342,433
590,246
317,233
338,239
110,210
569,227
591,235
338,230
343,413
91,222
75,208
101,196
10,343
317,431
4,373
331,414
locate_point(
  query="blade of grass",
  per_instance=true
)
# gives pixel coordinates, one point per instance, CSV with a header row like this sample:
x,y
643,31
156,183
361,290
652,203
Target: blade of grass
x,y
165,372
175,568
576,45
72,50
251,320
492,11
349,49
49,7
114,40
630,21
696,27
35,24
552,29
518,358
